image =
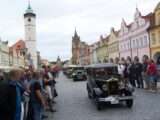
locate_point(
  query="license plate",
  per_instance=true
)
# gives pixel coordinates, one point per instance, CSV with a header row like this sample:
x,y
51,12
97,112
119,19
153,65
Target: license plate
x,y
114,101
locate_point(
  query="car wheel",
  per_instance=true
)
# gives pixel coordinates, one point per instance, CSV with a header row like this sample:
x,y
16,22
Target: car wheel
x,y
99,106
129,103
89,95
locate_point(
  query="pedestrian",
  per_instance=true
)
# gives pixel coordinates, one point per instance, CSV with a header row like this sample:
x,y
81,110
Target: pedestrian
x,y
10,106
152,73
48,84
121,69
130,71
158,69
37,101
145,63
138,72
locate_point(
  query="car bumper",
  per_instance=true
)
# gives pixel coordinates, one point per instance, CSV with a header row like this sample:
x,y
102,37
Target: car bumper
x,y
115,100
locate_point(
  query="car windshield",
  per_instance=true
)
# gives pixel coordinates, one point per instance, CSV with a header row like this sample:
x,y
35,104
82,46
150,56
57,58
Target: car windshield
x,y
105,73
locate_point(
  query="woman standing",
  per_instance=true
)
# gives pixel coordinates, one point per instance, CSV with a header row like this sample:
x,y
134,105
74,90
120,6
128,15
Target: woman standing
x,y
37,101
152,73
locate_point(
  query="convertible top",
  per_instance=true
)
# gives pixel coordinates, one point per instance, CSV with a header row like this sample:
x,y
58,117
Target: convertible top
x,y
102,65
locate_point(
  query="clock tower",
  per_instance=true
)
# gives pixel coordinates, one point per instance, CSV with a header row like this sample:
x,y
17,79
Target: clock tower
x,y
30,35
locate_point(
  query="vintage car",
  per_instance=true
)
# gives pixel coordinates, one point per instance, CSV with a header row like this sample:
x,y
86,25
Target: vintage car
x,y
79,74
105,85
68,70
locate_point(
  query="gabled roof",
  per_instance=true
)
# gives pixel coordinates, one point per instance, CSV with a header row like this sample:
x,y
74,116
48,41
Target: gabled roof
x,y
157,7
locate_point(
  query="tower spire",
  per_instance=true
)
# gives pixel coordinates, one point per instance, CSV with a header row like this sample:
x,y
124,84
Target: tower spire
x,y
75,33
29,4
29,8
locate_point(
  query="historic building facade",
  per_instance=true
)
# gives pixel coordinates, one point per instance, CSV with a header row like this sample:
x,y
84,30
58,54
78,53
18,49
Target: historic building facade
x,y
93,53
124,41
17,54
84,58
102,50
155,33
134,38
139,35
4,53
113,46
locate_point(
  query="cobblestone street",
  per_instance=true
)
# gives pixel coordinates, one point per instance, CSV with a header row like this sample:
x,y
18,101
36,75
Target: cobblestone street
x,y
73,104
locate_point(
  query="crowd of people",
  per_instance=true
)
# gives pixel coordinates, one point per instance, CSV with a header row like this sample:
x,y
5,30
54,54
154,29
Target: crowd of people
x,y
143,74
27,94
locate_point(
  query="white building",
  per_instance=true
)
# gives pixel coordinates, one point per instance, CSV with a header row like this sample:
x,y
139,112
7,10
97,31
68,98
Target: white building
x,y
30,35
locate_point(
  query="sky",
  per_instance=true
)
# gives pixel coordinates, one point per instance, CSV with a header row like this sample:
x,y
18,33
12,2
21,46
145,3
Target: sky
x,y
57,20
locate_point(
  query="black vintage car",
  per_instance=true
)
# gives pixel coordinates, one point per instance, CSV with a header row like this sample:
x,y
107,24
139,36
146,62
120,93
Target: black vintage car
x,y
79,75
104,85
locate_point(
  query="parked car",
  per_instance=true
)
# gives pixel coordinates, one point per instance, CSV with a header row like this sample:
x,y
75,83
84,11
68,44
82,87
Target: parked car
x,y
79,74
104,85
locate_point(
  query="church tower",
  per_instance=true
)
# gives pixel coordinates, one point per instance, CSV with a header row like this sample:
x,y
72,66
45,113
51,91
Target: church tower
x,y
30,35
75,48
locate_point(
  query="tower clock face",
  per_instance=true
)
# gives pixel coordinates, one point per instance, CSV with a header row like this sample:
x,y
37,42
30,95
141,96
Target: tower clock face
x,y
29,19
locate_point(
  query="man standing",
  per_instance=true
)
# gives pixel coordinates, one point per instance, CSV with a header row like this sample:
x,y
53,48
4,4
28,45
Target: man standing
x,y
11,108
138,72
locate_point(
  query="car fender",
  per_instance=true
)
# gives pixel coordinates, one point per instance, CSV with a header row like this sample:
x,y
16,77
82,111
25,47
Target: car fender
x,y
97,91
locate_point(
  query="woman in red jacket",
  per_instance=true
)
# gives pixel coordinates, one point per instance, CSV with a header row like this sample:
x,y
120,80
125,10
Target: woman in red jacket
x,y
152,73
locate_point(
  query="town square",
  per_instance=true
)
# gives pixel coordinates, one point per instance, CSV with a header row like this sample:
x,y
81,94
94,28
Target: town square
x,y
80,60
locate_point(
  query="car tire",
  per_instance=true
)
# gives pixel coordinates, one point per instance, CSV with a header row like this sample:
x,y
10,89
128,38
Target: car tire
x,y
99,106
129,103
89,95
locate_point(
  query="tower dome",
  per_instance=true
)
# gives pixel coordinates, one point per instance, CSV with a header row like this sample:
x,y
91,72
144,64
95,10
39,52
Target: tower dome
x,y
29,11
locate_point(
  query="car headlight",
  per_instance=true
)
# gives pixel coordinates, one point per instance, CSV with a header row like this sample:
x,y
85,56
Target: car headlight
x,y
73,74
104,87
121,85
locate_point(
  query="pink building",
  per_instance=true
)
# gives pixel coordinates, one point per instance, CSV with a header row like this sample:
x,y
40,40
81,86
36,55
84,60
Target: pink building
x,y
134,38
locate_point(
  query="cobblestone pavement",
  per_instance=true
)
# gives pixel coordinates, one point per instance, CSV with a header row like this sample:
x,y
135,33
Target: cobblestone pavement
x,y
73,104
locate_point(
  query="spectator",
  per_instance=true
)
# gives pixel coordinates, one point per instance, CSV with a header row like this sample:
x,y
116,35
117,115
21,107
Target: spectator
x,y
48,84
130,71
152,73
37,101
121,68
11,104
145,60
138,72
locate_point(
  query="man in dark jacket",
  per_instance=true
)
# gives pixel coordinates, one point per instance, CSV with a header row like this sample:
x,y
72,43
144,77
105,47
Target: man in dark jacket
x,y
138,72
11,108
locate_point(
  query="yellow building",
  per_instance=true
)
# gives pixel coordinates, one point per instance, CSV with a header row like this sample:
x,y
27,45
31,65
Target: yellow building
x,y
154,32
113,47
101,50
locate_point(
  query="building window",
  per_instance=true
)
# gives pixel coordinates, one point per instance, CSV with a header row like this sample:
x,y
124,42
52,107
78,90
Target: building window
x,y
133,43
137,43
153,39
141,41
145,41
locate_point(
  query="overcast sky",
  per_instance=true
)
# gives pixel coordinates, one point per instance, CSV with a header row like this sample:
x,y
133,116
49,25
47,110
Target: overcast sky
x,y
57,19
